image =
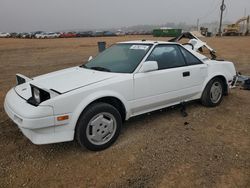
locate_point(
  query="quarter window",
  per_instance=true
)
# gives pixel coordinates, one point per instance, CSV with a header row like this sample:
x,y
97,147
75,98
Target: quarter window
x,y
167,56
190,59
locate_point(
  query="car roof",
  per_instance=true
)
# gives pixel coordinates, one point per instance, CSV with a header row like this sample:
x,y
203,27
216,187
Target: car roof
x,y
151,42
146,42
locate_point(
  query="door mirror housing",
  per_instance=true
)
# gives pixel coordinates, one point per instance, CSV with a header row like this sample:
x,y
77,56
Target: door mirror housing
x,y
90,58
149,66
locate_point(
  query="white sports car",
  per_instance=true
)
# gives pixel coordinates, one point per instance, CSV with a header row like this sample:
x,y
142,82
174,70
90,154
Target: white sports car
x,y
89,102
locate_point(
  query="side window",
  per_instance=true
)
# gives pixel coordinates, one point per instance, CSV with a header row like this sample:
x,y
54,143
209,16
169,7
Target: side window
x,y
167,56
190,58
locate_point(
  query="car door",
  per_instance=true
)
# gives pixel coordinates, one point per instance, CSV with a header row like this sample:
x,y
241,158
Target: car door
x,y
173,82
198,70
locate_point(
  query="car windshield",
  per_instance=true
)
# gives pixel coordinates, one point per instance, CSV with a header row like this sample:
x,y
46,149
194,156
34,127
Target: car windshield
x,y
119,58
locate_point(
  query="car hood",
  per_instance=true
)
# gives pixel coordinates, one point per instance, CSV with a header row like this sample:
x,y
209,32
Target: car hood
x,y
64,81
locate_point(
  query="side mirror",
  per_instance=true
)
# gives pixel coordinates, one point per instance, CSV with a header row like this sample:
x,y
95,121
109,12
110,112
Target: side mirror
x,y
149,66
90,58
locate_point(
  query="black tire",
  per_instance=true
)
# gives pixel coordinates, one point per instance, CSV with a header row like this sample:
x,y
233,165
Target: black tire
x,y
206,98
83,124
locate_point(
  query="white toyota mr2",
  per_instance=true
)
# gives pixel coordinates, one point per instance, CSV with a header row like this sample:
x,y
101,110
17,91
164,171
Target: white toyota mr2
x,y
89,102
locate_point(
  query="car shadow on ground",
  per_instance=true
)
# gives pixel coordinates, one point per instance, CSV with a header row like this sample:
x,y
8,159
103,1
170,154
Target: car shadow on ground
x,y
181,109
129,126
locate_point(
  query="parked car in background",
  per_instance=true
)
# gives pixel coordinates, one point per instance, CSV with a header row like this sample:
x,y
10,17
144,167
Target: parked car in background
x,y
120,33
90,102
108,34
47,35
98,33
13,35
40,35
84,34
25,35
4,35
33,34
18,35
68,35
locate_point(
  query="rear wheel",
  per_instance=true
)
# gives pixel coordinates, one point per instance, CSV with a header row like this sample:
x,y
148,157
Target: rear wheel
x,y
213,93
98,126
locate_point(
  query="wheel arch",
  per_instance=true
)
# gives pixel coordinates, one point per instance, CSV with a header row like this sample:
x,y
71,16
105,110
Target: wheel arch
x,y
225,85
222,78
105,96
114,101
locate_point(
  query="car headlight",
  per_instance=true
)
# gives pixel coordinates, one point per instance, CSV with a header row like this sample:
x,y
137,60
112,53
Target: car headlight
x,y
38,95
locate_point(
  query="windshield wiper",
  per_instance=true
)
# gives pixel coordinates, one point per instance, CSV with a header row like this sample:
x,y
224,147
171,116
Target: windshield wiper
x,y
100,69
96,68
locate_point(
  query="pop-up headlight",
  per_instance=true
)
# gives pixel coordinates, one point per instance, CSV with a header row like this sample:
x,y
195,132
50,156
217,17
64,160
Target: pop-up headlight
x,y
38,95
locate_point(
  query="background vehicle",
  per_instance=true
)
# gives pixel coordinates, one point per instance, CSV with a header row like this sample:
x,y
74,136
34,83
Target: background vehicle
x,y
4,35
47,35
13,35
84,34
18,35
39,35
68,35
204,31
235,29
109,34
98,33
25,35
120,33
33,34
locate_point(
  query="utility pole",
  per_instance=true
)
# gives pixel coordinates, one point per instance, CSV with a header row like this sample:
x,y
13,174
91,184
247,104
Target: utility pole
x,y
222,8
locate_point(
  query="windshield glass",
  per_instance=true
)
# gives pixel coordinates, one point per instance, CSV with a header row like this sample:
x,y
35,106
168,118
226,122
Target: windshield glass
x,y
119,58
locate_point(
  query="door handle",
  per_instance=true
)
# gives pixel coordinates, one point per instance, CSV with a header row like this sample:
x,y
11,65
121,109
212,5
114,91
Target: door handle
x,y
185,74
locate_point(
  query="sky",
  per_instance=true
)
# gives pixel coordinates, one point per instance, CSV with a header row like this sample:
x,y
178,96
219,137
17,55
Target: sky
x,y
59,15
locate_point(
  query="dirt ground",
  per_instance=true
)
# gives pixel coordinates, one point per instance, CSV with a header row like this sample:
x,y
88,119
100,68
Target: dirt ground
x,y
212,149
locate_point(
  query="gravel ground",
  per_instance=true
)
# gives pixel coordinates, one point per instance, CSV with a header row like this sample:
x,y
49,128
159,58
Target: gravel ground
x,y
208,148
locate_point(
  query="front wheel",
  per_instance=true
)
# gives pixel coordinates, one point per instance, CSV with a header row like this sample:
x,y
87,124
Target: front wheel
x,y
98,126
213,93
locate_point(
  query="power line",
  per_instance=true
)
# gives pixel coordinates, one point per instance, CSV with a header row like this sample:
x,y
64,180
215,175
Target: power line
x,y
211,11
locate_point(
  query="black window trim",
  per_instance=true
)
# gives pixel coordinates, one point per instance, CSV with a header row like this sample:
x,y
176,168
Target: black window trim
x,y
181,47
177,45
124,43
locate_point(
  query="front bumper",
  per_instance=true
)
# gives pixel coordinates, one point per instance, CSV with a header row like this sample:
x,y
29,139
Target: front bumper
x,y
38,124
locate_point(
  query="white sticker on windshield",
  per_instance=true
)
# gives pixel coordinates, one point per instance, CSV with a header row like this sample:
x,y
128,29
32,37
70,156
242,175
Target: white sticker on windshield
x,y
139,47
